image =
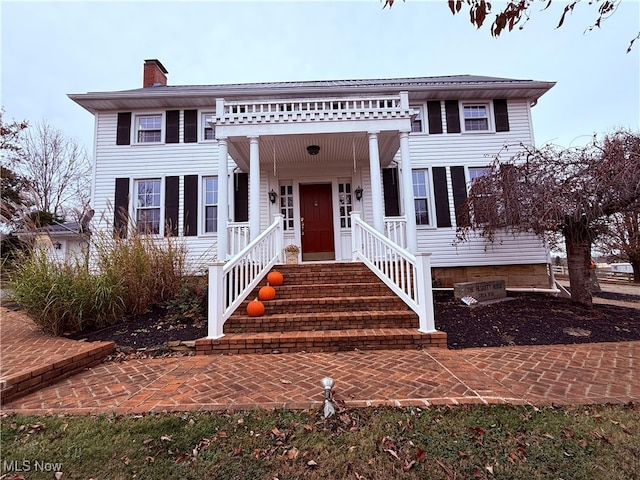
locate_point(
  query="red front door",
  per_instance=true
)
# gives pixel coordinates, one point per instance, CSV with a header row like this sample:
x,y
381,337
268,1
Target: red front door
x,y
316,222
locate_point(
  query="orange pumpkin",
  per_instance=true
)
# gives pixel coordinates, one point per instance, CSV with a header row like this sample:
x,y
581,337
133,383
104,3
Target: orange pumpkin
x,y
255,308
275,278
267,292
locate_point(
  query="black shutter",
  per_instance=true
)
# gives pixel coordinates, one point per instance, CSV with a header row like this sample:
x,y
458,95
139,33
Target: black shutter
x,y
241,197
190,126
459,184
190,205
441,194
453,116
434,114
123,135
172,134
171,200
121,210
501,115
391,198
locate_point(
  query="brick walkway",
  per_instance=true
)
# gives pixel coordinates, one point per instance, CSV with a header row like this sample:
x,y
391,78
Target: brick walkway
x,y
577,374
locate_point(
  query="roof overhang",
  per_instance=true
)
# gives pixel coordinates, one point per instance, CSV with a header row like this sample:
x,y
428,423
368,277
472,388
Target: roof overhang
x,y
432,88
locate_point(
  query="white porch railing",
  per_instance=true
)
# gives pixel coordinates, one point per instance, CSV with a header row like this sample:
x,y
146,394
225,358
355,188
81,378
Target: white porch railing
x,y
408,275
238,237
303,110
395,229
232,281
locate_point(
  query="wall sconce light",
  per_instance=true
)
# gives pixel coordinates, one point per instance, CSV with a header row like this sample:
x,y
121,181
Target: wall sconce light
x,y
358,192
57,245
272,196
313,149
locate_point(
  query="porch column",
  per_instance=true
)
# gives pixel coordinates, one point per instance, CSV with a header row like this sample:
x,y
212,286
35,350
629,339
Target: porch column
x,y
376,183
407,193
254,188
223,198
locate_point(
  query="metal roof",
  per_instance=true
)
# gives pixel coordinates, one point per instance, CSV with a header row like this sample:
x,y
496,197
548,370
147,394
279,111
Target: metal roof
x,y
188,96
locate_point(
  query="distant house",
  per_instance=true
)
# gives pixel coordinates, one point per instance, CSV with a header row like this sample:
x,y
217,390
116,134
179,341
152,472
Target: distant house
x,y
212,164
62,242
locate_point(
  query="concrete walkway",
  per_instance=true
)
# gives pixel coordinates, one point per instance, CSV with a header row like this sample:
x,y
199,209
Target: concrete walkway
x,y
561,374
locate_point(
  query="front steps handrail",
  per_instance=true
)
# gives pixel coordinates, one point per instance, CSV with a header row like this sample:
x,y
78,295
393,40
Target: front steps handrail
x,y
406,274
231,282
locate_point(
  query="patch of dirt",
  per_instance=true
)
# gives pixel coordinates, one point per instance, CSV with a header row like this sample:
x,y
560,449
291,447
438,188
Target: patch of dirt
x,y
527,319
535,320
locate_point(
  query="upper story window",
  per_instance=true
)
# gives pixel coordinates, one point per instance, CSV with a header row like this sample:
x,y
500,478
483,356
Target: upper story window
x,y
210,204
149,128
286,205
208,132
421,196
345,198
476,117
416,123
148,214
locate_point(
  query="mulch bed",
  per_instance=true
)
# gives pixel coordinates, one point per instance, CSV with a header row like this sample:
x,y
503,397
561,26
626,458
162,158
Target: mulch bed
x,y
527,319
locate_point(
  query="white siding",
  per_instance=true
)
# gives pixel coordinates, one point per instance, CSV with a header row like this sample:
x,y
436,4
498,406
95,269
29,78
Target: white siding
x,y
473,150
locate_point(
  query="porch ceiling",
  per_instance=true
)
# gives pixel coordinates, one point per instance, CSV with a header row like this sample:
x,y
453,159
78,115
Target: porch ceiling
x,y
335,149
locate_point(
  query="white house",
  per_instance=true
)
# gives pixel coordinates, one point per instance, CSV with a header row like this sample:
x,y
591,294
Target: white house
x,y
196,161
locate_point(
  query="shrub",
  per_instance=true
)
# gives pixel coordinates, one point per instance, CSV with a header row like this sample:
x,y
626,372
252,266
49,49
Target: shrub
x,y
63,297
124,276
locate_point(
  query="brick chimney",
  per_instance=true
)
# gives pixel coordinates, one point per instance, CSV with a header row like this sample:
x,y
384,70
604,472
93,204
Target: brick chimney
x,y
154,74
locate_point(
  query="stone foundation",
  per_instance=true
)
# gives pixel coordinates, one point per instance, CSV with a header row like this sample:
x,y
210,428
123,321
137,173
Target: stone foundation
x,y
522,276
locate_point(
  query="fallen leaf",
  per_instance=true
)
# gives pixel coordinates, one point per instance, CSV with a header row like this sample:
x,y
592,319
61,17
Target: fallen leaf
x,y
308,427
408,466
180,457
489,468
147,440
392,453
237,452
312,463
582,442
166,438
291,454
567,432
57,475
150,459
420,455
222,434
285,381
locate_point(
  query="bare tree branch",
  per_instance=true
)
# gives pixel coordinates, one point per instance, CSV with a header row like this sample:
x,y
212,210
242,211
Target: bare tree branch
x,y
57,169
552,190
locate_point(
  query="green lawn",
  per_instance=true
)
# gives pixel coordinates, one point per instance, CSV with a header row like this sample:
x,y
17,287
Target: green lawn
x,y
498,441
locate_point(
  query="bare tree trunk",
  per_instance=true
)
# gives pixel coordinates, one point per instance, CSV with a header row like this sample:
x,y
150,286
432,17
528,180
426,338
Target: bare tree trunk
x,y
578,247
635,264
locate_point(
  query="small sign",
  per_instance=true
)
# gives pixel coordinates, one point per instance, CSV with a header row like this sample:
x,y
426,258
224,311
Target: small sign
x,y
469,300
480,291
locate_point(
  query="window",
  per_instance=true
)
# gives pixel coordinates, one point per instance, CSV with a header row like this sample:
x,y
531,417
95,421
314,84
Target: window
x,y
421,196
483,202
148,206
208,132
149,128
346,205
286,205
476,118
210,203
416,123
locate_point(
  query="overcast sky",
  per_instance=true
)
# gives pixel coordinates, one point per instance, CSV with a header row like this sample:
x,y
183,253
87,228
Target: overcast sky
x,y
51,49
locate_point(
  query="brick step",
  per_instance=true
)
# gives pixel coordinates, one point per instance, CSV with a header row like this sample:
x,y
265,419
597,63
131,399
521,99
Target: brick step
x,y
328,304
321,341
301,292
315,274
349,320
